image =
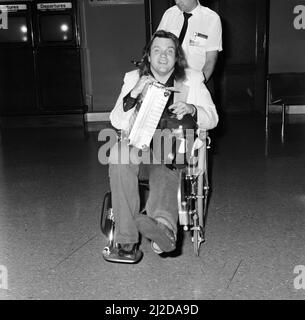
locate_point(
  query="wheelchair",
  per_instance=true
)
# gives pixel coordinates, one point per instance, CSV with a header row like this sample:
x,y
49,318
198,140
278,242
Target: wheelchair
x,y
192,195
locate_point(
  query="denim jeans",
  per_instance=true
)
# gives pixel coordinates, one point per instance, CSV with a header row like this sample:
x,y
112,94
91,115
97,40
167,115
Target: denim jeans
x,y
161,203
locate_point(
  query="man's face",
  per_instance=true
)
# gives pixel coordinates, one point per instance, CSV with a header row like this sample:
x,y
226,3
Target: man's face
x,y
186,5
162,56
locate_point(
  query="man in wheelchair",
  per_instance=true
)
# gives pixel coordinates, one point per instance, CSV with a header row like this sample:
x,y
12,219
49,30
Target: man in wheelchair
x,y
189,105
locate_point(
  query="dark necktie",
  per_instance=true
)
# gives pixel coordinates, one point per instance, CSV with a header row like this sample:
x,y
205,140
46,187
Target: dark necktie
x,y
184,27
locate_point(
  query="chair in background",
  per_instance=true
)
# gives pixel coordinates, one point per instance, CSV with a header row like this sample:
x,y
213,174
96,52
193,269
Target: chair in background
x,y
284,89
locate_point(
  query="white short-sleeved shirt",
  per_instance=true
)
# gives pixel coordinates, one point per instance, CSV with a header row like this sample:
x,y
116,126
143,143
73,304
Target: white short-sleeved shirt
x,y
204,33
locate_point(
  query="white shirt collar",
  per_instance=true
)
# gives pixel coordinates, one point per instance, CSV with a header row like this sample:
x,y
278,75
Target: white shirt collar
x,y
196,9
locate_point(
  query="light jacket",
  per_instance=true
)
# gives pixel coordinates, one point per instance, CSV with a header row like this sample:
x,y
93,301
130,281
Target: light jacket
x,y
192,91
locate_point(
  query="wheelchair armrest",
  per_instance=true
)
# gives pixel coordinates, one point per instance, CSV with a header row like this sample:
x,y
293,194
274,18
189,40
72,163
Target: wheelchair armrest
x,y
203,136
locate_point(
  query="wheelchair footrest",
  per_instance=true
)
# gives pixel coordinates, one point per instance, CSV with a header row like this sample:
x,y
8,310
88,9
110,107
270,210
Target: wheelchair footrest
x,y
111,253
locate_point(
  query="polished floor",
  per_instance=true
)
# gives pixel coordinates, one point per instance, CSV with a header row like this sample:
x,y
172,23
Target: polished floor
x,y
51,189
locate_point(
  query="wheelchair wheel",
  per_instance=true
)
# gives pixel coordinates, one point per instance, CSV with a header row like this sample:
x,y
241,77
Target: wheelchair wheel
x,y
195,242
107,218
197,236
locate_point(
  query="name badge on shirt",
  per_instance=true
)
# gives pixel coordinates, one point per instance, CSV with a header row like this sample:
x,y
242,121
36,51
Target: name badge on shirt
x,y
197,39
201,35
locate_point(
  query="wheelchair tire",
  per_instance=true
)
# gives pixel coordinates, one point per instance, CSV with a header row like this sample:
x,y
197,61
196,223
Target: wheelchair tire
x,y
196,243
197,235
107,221
197,239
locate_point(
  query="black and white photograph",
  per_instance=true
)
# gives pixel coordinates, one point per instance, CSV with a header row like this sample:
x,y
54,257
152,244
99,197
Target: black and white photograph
x,y
152,153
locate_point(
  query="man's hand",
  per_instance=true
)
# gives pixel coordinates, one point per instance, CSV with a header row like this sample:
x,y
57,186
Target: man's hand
x,y
142,84
181,109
